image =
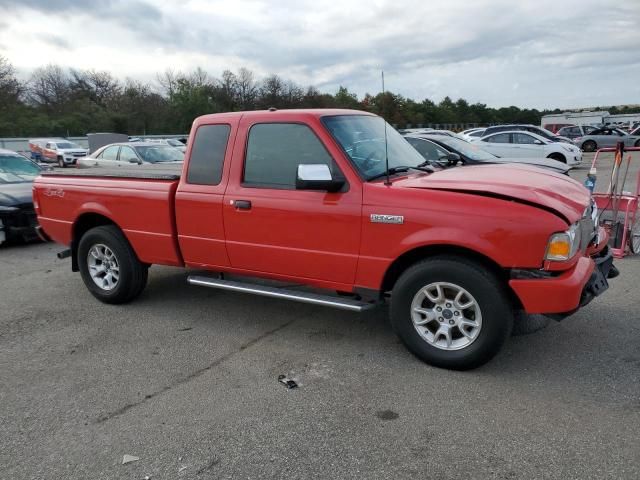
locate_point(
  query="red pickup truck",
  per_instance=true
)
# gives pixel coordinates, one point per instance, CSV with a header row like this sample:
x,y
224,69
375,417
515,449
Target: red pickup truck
x,y
339,201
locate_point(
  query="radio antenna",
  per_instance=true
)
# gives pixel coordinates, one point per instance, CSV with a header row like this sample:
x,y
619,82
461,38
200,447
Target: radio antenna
x,y
386,147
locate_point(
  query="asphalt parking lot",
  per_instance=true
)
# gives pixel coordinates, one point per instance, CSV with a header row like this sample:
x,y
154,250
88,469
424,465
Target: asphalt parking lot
x,y
185,378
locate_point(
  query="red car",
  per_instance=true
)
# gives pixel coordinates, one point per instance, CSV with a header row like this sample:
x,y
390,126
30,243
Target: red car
x,y
305,196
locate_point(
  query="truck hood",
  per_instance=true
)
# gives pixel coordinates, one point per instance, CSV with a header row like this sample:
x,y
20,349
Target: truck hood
x,y
14,194
531,185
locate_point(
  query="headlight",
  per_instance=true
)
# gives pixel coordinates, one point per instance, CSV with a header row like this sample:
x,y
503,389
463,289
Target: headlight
x,y
563,246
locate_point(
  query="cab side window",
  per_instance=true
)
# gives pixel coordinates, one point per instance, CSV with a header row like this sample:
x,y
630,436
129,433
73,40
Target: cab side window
x,y
274,151
207,154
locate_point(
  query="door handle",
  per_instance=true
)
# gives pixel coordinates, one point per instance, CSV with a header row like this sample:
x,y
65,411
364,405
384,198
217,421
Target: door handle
x,y
242,204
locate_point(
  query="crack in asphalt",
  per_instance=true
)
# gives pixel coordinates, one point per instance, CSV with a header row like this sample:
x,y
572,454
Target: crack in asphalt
x,y
191,376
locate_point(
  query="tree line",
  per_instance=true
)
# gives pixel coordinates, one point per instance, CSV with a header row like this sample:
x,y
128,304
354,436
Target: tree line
x,y
67,102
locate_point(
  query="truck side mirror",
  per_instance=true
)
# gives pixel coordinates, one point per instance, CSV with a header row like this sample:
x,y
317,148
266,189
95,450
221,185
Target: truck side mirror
x,y
317,177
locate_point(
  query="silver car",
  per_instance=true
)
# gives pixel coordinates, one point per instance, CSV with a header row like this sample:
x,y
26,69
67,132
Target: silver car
x,y
125,154
606,137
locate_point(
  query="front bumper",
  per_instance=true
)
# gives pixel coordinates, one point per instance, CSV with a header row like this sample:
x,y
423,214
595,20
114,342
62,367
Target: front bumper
x,y
19,224
566,293
574,159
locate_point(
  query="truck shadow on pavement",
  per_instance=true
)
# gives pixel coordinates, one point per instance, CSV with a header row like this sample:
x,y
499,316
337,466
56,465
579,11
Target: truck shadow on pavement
x,y
562,350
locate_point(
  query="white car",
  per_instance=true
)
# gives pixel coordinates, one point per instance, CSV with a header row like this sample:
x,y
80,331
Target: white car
x,y
472,133
520,143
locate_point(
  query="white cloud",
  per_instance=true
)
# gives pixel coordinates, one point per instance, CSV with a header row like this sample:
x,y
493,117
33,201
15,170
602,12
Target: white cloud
x,y
531,54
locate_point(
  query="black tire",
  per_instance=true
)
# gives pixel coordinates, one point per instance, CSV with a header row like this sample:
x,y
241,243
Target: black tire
x,y
61,163
525,324
637,144
558,156
132,273
589,146
489,292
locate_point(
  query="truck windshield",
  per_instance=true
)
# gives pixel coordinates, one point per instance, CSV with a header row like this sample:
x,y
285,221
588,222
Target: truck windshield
x,y
362,138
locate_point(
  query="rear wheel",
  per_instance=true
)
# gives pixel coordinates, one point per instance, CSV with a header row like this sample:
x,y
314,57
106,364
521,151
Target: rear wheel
x,y
589,146
558,156
451,312
109,267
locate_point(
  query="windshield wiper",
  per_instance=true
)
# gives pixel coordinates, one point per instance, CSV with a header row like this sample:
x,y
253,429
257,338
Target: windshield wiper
x,y
423,167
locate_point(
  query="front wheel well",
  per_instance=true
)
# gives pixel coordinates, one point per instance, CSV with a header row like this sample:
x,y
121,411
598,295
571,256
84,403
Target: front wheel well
x,y
82,225
557,156
411,257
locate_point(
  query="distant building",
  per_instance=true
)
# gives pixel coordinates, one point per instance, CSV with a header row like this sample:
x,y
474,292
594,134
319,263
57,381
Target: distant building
x,y
575,118
590,118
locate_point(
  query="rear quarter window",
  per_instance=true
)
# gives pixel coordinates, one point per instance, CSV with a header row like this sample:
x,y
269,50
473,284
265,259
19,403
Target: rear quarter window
x,y
207,154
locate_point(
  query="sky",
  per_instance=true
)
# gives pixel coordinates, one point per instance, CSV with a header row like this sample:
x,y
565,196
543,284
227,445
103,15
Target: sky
x,y
528,53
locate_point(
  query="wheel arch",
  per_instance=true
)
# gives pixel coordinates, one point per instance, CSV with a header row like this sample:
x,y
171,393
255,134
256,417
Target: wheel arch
x,y
85,222
560,157
410,257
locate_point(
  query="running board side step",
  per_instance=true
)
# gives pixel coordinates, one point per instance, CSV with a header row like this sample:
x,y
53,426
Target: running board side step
x,y
349,304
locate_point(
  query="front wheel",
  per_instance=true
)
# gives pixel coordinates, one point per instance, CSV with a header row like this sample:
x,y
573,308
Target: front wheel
x,y
61,162
451,312
109,267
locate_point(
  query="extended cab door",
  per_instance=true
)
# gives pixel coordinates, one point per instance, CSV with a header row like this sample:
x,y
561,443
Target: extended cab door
x,y
275,229
201,191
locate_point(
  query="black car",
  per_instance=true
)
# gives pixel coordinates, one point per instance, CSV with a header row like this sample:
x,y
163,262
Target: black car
x,y
444,151
17,215
527,128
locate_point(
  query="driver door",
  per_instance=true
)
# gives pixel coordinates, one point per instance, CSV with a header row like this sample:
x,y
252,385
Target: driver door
x,y
271,227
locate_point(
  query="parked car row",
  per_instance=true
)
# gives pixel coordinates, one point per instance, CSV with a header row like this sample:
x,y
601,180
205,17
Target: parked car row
x,y
65,153
445,151
119,154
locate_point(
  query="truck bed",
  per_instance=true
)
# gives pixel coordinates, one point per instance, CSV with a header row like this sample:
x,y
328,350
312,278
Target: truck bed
x,y
145,172
139,199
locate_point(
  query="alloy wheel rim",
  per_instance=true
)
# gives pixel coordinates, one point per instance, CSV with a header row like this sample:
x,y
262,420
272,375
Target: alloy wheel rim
x,y
104,268
446,316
